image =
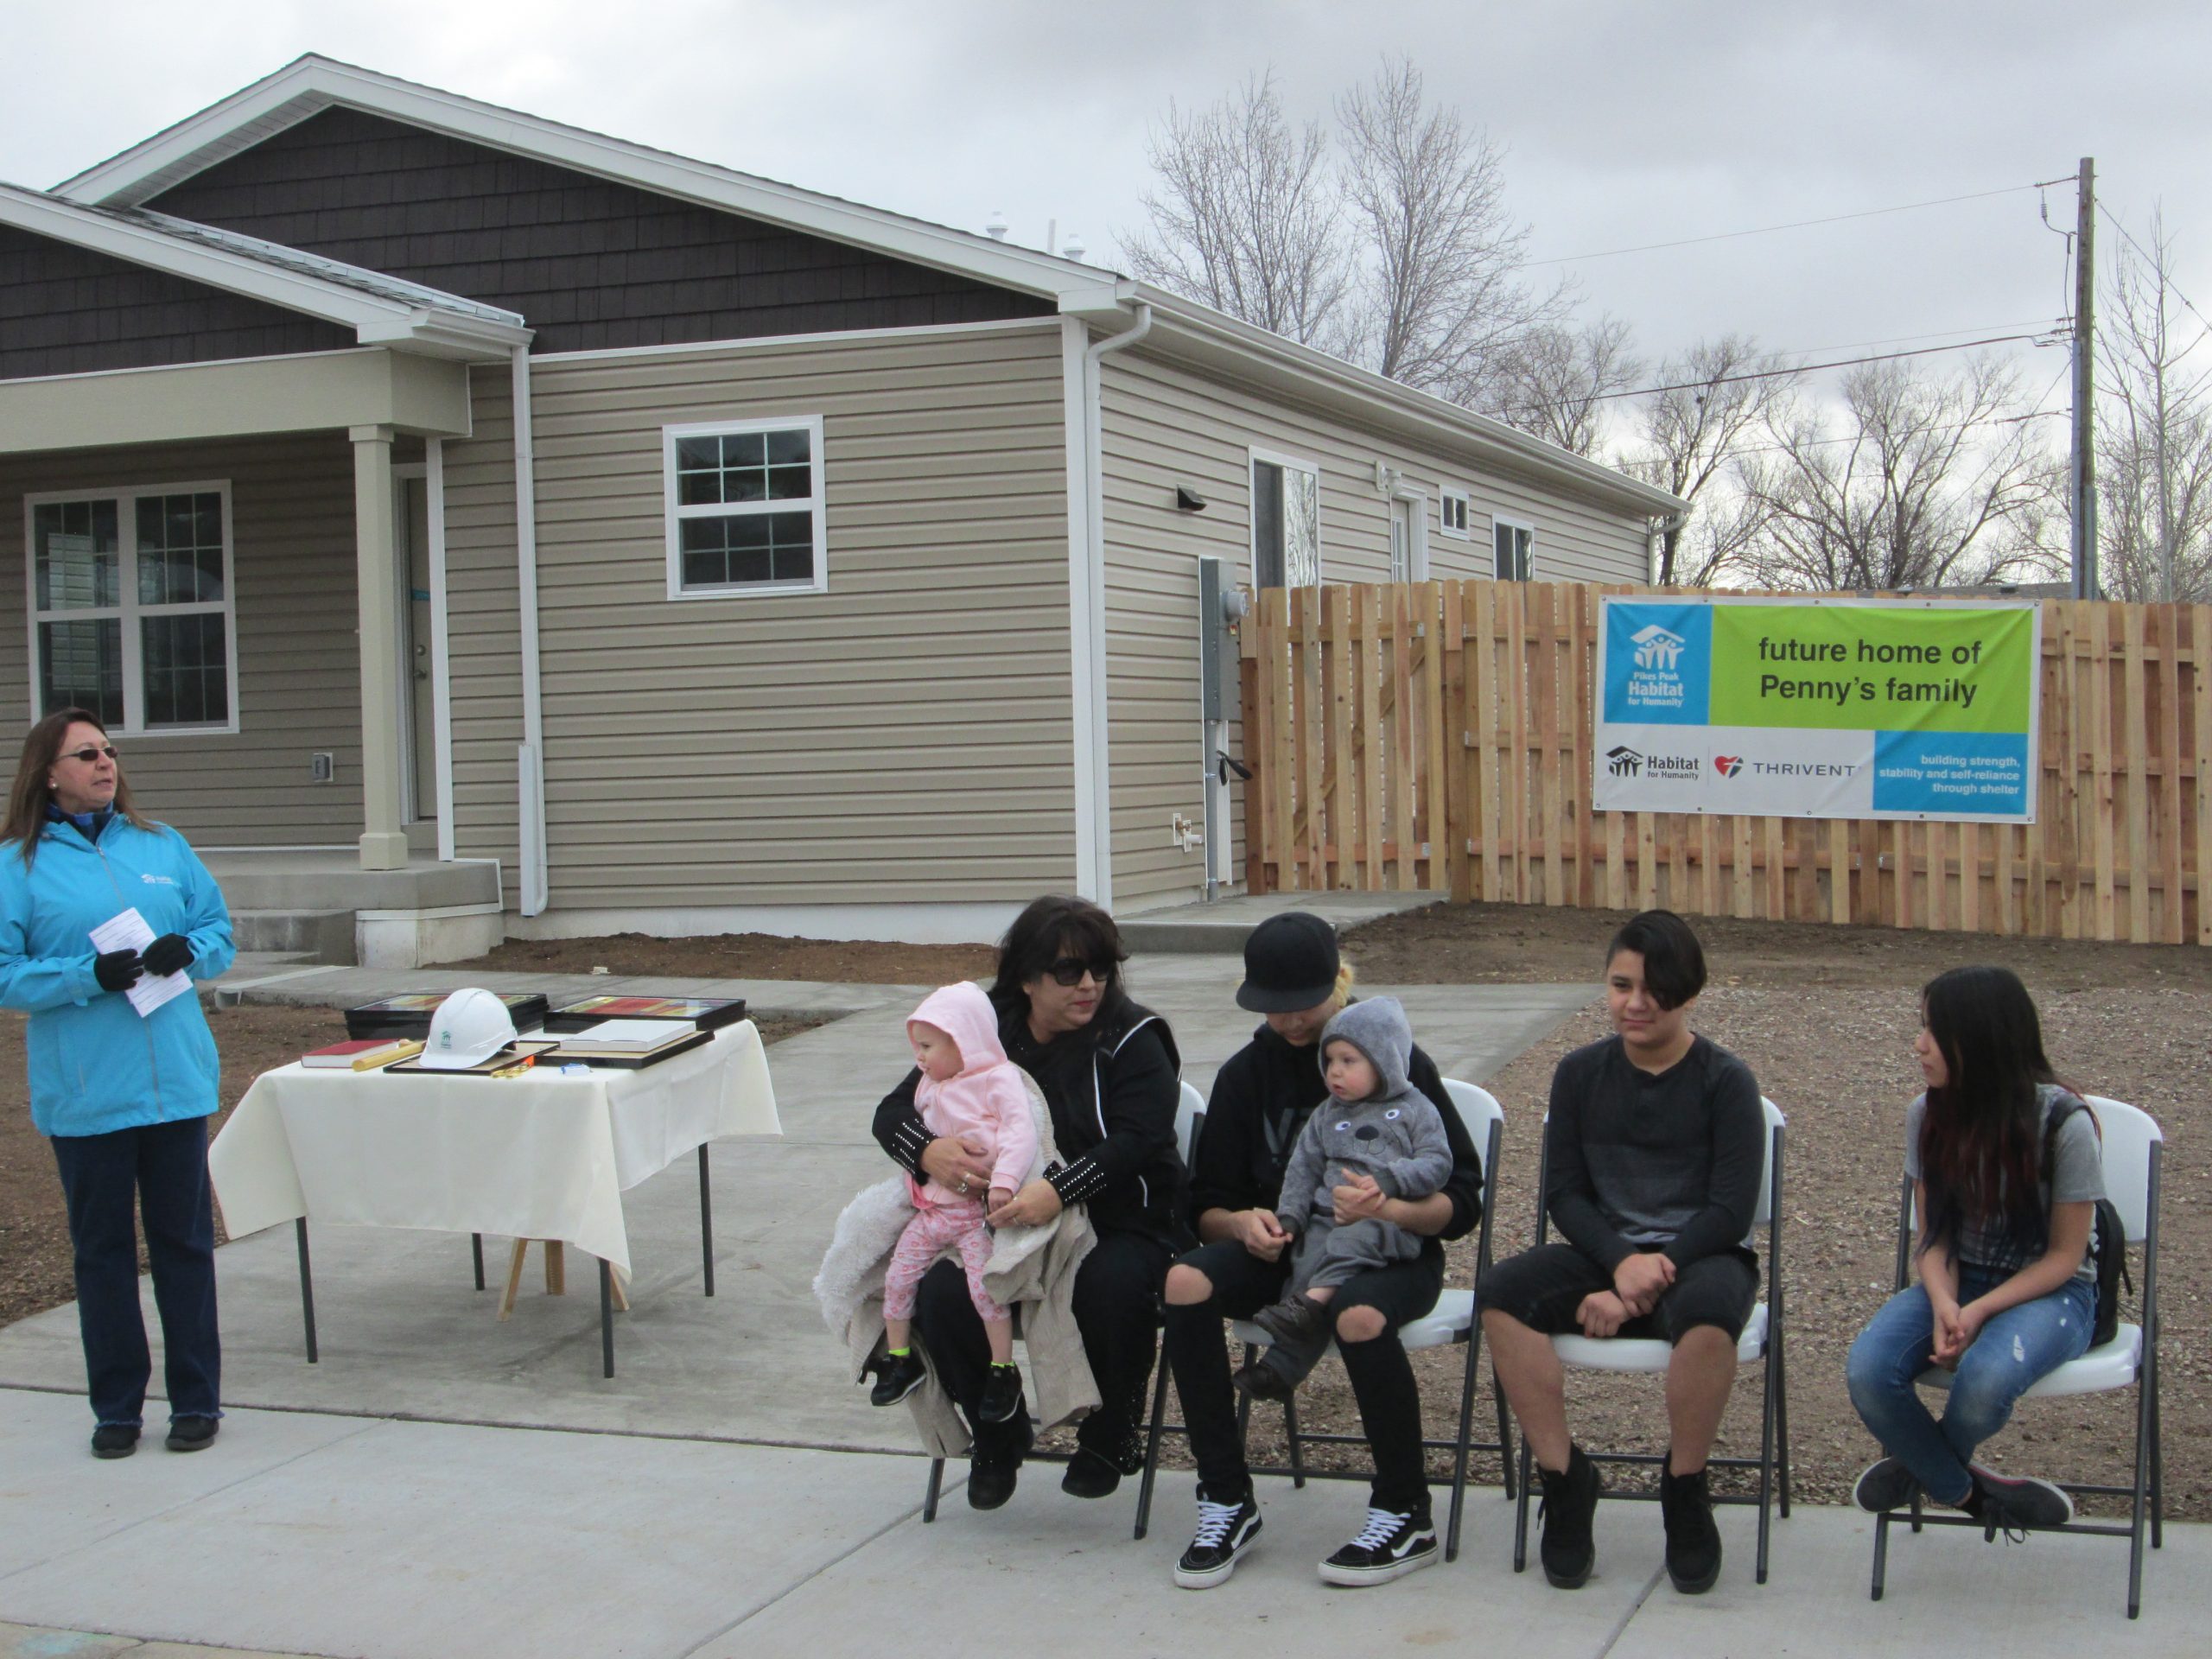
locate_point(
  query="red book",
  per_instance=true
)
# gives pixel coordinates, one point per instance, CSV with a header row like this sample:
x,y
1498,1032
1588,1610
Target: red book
x,y
364,1054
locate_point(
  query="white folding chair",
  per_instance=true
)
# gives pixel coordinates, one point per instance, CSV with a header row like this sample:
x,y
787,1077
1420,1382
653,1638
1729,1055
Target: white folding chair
x,y
1452,1320
2132,1144
1761,1341
1190,1118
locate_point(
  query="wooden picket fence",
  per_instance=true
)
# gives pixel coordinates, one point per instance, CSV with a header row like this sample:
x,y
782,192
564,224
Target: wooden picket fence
x,y
1436,736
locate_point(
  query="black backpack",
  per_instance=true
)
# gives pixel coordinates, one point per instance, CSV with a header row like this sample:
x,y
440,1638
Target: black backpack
x,y
2108,1234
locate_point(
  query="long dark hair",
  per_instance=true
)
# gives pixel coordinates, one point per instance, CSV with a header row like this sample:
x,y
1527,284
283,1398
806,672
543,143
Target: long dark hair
x,y
1981,1136
27,800
1048,928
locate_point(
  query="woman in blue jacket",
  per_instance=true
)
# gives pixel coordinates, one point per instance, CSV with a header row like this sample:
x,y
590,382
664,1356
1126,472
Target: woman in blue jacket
x,y
125,1097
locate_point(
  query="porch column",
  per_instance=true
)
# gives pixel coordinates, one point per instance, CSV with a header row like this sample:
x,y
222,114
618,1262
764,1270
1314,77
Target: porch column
x,y
383,841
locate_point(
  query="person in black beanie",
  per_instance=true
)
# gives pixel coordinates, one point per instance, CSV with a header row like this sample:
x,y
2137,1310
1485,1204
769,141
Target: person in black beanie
x,y
1261,1097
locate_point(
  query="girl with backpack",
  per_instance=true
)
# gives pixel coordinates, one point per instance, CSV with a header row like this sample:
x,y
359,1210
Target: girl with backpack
x,y
2007,1173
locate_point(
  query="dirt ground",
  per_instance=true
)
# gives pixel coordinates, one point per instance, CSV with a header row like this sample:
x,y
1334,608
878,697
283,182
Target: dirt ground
x,y
1824,1017
747,955
35,1257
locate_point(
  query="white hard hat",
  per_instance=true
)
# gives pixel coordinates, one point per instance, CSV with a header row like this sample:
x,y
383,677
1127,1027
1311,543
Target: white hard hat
x,y
469,1027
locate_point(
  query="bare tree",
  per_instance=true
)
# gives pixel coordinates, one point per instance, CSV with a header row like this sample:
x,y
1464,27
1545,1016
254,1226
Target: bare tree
x,y
1554,382
1439,295
2154,436
1245,216
1715,401
1914,482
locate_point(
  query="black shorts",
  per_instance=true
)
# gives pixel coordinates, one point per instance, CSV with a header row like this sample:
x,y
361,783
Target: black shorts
x,y
1543,1288
1243,1284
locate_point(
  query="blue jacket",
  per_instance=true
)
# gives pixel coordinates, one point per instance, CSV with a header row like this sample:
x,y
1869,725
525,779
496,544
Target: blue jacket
x,y
95,1065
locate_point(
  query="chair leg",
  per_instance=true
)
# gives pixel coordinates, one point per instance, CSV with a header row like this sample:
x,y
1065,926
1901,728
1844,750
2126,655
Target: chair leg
x,y
1297,1457
1244,1406
2157,1464
1152,1449
928,1494
1505,1459
1459,1450
1881,1552
1766,1451
1781,1417
1521,1513
2145,1394
1917,1526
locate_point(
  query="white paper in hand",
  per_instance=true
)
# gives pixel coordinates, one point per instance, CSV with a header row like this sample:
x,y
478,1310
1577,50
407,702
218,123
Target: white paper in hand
x,y
128,931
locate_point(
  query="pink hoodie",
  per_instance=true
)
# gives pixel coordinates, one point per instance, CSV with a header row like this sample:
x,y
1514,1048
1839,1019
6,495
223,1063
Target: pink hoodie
x,y
986,1100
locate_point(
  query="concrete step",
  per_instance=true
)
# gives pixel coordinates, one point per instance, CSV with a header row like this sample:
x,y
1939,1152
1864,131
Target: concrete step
x,y
1221,928
321,936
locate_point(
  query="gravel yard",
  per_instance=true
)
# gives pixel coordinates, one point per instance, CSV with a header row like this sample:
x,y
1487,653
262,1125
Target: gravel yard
x,y
1824,1017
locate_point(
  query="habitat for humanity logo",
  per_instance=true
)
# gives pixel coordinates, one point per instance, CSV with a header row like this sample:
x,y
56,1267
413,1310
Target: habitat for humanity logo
x,y
1657,649
1625,761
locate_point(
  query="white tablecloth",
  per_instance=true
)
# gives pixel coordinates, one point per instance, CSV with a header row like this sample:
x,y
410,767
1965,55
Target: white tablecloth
x,y
537,1156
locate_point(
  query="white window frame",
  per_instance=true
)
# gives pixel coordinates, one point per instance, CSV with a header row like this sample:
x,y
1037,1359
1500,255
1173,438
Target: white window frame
x,y
811,424
1288,462
1447,498
1499,521
129,611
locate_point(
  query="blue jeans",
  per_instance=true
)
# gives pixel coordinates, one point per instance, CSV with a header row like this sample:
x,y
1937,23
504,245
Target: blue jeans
x,y
159,1170
2013,1351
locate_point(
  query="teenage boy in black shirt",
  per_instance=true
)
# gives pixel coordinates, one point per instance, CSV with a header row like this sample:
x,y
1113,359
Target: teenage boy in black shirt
x,y
1657,1143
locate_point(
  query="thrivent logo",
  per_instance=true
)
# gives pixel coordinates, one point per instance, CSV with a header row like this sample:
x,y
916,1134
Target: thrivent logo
x,y
1626,762
1658,649
1727,765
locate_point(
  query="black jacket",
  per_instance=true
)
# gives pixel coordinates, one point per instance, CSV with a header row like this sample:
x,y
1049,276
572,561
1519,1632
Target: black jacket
x,y
1112,1090
1261,1097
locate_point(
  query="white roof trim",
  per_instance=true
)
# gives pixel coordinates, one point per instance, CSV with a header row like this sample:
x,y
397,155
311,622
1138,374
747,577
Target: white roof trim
x,y
312,84
421,321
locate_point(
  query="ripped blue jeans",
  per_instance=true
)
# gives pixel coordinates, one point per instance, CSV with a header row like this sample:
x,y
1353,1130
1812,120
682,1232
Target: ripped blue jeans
x,y
2013,1351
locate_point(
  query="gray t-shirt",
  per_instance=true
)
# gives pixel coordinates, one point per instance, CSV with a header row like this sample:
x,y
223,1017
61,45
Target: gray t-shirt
x,y
2076,1176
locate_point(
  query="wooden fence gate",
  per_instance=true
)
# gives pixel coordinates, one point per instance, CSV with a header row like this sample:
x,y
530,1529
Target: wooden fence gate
x,y
1436,736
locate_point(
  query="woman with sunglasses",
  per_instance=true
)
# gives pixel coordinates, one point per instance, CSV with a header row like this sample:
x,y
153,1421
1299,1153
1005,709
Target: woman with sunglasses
x,y
125,1097
1108,1068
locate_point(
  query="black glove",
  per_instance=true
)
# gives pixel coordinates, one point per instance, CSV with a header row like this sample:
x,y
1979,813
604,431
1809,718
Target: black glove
x,y
168,954
117,970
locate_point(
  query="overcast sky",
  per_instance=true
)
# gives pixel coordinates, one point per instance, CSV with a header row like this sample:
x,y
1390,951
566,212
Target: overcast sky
x,y
1627,123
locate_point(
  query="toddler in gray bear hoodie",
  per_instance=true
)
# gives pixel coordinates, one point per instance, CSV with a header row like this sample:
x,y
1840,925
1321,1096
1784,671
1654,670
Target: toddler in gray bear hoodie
x,y
1375,1123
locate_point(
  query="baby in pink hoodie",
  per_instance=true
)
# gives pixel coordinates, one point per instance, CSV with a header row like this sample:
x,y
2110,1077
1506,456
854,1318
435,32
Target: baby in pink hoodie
x,y
971,1091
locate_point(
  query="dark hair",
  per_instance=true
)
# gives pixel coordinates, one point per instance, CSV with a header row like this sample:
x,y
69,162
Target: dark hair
x,y
1981,1134
1673,962
27,800
1048,928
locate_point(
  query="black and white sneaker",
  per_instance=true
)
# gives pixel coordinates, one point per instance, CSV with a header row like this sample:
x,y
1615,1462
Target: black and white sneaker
x,y
1886,1484
1388,1546
2018,1503
1224,1531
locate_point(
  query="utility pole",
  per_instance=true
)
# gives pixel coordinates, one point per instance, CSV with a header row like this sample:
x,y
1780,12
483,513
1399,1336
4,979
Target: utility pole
x,y
2085,381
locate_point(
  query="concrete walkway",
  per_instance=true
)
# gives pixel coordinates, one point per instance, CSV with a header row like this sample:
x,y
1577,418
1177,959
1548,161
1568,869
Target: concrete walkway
x,y
443,1484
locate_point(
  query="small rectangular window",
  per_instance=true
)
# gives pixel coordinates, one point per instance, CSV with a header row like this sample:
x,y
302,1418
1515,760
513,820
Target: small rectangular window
x,y
744,508
131,607
1286,521
1452,513
1512,542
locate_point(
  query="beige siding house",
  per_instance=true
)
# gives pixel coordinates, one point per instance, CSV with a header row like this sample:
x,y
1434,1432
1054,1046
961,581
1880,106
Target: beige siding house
x,y
579,539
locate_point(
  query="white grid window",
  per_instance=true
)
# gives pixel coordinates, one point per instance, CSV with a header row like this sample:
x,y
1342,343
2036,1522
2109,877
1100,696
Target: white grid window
x,y
132,613
744,508
1452,513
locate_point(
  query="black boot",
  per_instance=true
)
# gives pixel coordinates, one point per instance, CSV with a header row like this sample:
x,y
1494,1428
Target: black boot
x,y
995,1459
1297,1319
1693,1541
1570,1504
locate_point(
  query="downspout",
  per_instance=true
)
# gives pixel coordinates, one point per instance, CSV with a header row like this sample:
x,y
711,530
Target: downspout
x,y
531,757
1091,702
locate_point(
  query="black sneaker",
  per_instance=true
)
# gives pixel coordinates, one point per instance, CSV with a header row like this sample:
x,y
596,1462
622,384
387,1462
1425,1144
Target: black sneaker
x,y
1296,1319
1002,1395
1388,1546
1225,1530
1885,1485
995,1459
1263,1381
1570,1503
1090,1474
1693,1541
2018,1504
115,1440
900,1375
191,1433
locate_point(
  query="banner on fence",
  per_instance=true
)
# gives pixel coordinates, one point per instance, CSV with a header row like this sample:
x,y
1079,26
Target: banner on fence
x,y
1824,709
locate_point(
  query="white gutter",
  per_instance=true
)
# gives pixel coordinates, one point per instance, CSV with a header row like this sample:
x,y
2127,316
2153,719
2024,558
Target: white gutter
x,y
1087,627
530,759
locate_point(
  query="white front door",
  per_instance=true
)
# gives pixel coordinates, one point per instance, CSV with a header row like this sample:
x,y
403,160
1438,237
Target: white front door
x,y
1401,539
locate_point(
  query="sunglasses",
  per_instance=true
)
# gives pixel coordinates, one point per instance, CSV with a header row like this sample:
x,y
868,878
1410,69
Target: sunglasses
x,y
89,755
1069,970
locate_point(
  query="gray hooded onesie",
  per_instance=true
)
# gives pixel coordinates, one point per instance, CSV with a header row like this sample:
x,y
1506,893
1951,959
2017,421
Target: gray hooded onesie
x,y
1395,1135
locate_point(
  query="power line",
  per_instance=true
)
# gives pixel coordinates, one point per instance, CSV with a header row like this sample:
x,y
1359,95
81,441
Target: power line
x,y
1793,224
2113,219
1812,368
